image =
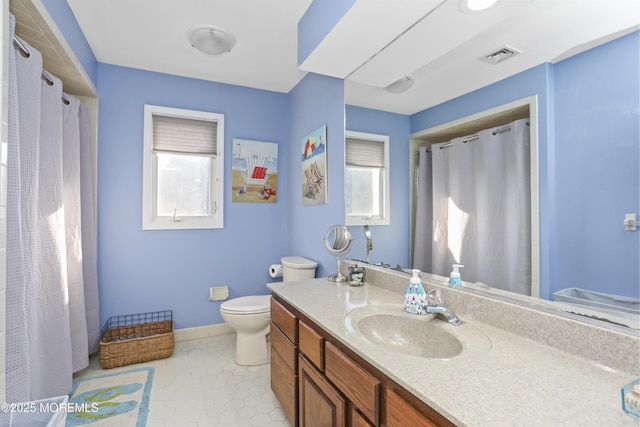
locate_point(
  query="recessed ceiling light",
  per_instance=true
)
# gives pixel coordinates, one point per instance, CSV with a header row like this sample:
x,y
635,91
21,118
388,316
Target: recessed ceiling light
x,y
211,40
476,6
400,85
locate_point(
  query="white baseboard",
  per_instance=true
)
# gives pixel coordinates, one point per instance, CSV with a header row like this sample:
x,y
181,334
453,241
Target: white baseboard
x,y
199,332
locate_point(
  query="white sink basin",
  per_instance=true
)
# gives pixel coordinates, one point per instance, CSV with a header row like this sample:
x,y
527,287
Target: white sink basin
x,y
388,326
410,335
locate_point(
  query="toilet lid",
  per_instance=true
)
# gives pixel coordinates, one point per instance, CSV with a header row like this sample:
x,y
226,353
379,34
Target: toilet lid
x,y
247,305
298,262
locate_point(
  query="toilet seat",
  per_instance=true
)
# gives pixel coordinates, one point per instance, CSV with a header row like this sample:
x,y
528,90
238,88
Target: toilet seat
x,y
253,304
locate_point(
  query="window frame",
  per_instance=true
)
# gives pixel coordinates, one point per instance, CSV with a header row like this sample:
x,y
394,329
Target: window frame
x,y
150,219
385,219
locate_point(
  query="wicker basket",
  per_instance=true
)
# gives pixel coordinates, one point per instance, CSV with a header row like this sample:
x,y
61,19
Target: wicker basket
x,y
136,338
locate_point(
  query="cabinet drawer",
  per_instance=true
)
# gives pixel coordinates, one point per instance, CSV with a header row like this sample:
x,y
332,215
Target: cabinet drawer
x,y
311,344
285,386
285,349
358,385
401,414
285,320
356,419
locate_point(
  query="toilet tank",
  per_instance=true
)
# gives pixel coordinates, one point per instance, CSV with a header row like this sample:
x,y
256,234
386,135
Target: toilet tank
x,y
297,268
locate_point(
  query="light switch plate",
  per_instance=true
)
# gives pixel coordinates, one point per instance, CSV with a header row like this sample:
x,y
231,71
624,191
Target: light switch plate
x,y
630,222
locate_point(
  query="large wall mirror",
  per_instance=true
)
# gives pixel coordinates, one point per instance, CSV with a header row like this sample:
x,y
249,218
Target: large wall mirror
x,y
582,100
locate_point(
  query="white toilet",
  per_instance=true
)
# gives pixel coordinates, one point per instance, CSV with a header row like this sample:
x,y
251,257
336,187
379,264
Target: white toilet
x,y
250,316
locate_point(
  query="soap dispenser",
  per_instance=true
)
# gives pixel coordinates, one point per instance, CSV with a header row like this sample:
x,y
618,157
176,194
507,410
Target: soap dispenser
x,y
415,297
454,277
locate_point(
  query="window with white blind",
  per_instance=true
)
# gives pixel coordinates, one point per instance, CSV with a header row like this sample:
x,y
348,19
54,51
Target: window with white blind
x,y
366,179
183,169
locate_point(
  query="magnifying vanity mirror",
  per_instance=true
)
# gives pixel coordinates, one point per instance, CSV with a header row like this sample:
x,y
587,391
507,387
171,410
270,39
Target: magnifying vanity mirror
x,y
338,242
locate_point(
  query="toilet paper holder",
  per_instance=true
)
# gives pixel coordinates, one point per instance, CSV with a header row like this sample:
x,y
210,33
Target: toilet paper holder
x,y
275,270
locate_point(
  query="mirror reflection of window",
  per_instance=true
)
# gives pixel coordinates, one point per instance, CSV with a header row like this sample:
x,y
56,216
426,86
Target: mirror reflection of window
x,y
366,179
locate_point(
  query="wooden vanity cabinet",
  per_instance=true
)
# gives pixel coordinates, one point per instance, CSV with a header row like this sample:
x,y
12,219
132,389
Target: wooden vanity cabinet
x,y
320,382
284,359
356,419
285,320
360,387
284,369
311,345
402,414
320,403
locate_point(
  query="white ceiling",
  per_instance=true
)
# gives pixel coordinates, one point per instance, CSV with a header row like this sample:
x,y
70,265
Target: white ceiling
x,y
377,42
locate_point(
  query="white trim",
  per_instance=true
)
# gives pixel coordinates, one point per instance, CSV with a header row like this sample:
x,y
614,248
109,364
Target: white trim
x,y
532,102
150,221
199,332
386,219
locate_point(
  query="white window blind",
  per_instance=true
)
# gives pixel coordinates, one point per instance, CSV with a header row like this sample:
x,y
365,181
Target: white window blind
x,y
359,152
183,169
182,135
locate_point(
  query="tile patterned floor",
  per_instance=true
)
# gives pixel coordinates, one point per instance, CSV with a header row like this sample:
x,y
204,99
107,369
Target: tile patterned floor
x,y
201,386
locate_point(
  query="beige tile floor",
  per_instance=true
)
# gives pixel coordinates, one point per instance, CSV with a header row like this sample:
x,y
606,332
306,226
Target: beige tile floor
x,y
201,386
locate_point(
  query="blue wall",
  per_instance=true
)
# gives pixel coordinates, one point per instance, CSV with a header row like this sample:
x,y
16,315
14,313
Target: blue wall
x,y
389,241
142,271
65,20
316,101
597,99
317,22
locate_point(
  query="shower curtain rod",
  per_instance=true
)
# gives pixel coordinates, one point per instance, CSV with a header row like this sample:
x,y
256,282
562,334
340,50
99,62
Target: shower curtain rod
x,y
474,137
45,75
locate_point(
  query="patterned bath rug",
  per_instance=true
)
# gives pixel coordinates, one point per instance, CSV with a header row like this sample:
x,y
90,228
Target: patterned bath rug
x,y
120,399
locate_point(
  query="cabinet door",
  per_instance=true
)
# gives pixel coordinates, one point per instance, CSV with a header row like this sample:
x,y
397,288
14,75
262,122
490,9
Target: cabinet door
x,y
401,414
319,403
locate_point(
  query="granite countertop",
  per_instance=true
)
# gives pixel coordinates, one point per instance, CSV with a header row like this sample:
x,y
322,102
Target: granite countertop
x,y
512,381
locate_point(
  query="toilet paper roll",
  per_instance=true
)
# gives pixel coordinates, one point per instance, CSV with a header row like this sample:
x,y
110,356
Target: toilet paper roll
x,y
275,270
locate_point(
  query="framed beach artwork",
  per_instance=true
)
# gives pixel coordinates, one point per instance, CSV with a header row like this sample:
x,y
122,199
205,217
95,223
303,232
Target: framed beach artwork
x,y
254,171
314,168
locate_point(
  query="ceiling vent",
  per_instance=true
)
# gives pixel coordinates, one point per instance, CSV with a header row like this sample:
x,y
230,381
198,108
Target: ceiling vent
x,y
501,54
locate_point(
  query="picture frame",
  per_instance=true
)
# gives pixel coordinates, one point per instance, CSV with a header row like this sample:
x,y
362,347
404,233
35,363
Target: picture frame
x,y
254,171
314,167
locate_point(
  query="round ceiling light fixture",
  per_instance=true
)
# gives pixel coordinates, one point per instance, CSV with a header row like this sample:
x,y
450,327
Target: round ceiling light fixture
x,y
211,40
476,6
400,85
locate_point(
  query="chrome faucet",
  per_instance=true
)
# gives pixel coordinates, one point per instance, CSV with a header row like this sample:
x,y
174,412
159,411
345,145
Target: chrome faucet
x,y
437,307
367,234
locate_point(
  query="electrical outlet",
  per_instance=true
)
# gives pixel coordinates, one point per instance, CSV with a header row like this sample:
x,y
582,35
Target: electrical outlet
x,y
218,293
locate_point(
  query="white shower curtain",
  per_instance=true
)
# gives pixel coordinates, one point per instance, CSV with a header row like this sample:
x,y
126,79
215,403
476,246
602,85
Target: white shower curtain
x,y
89,241
46,331
481,206
422,247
